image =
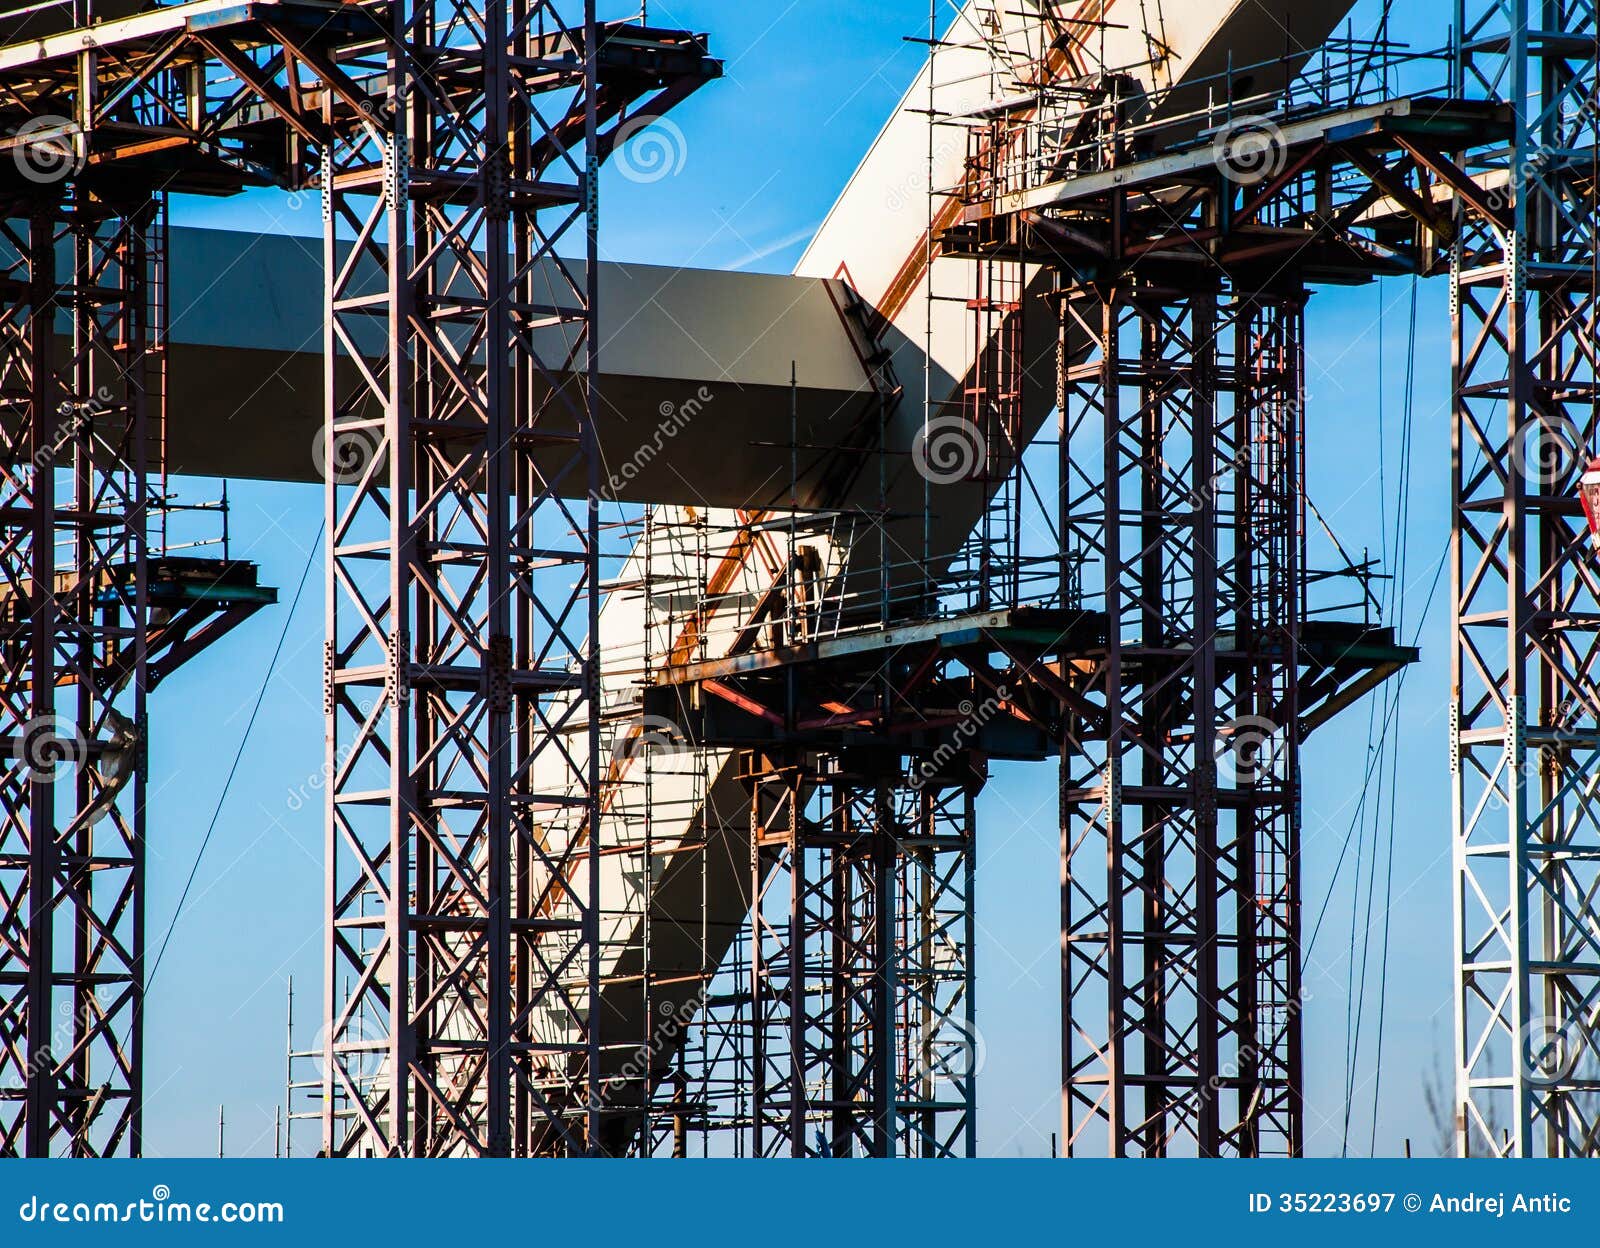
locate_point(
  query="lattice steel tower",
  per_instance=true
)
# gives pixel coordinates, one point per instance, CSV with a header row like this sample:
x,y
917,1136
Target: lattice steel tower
x,y
1525,751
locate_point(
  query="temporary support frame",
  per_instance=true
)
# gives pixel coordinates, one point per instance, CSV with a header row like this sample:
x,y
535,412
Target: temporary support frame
x,y
1180,888
862,1039
460,372
463,592
144,117
74,582
1524,750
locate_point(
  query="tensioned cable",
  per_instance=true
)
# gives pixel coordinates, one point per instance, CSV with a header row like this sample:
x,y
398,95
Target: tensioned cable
x,y
1402,552
1389,751
1377,759
238,756
1355,986
1438,570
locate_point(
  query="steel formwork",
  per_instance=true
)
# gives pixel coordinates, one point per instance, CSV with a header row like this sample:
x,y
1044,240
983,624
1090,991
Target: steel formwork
x,y
1525,753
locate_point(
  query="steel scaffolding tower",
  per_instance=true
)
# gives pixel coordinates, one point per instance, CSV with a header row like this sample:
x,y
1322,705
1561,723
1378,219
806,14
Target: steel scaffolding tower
x,y
1524,750
74,588
1180,893
1184,232
94,617
862,1037
840,1021
463,493
458,147
463,590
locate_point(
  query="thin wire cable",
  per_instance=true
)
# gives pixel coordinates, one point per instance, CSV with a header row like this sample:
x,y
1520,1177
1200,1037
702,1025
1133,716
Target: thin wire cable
x,y
1355,986
1402,555
216,814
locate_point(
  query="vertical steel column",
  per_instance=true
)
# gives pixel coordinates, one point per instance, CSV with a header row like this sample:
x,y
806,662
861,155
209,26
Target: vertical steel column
x,y
823,967
76,368
1094,882
1180,908
861,978
1262,585
780,923
462,955
1525,750
938,1049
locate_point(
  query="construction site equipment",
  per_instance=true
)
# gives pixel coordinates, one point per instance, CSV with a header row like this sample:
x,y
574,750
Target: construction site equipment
x,y
684,857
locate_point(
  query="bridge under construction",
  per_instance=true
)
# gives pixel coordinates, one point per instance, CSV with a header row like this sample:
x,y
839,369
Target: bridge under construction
x,y
673,618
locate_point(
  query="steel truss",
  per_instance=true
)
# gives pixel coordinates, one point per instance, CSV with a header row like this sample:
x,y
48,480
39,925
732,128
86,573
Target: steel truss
x,y
93,618
1181,473
458,147
463,591
862,1038
1525,752
77,374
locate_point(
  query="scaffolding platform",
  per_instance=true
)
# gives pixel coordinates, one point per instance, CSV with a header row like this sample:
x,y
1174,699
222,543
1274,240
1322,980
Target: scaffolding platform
x,y
192,604
995,679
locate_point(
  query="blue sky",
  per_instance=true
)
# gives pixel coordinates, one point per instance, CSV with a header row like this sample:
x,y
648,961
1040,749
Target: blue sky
x,y
769,147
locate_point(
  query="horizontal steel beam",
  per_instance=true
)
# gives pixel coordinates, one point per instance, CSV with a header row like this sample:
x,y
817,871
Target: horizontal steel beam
x,y
697,366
